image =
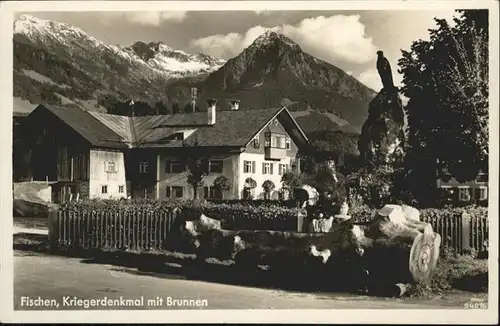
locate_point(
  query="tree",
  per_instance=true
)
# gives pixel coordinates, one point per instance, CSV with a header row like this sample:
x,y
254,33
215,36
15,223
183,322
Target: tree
x,y
222,183
268,187
446,82
249,185
196,165
290,180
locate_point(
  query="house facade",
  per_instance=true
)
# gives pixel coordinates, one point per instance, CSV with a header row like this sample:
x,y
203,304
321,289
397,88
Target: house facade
x,y
453,191
96,155
475,191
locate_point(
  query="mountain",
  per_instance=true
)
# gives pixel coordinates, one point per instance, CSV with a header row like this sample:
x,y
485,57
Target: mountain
x,y
275,71
57,63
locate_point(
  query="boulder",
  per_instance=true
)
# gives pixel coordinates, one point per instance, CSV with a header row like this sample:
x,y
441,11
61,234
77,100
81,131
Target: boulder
x,y
382,134
400,212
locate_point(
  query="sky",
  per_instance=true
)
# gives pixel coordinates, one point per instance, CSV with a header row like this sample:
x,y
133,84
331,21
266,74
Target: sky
x,y
346,39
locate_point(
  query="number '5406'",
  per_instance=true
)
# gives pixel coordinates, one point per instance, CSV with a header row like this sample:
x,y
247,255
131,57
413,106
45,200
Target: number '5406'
x,y
475,305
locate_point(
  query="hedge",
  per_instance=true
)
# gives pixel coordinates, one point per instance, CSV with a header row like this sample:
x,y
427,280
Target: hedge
x,y
244,215
233,216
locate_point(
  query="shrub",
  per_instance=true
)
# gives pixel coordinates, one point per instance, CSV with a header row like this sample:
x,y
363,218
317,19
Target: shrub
x,y
250,184
268,187
222,183
233,216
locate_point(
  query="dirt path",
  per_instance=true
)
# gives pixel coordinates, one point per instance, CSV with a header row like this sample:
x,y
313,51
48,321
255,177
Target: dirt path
x,y
84,279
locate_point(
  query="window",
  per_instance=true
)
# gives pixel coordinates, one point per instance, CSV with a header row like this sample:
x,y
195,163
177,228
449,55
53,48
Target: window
x,y
267,168
282,168
275,140
248,166
104,189
267,140
121,189
464,194
174,192
111,167
211,192
143,167
215,166
256,143
482,193
288,144
173,167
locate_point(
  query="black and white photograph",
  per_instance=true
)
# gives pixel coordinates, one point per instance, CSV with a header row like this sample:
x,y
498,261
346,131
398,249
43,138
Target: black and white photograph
x,y
266,161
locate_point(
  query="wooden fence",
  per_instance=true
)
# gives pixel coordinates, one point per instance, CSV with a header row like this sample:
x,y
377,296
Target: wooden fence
x,y
461,232
123,230
149,230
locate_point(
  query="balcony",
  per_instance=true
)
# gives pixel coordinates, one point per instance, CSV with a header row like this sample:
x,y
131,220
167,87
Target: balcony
x,y
274,153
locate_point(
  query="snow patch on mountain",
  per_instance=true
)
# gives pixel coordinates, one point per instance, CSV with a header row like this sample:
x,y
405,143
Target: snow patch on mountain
x,y
153,59
270,37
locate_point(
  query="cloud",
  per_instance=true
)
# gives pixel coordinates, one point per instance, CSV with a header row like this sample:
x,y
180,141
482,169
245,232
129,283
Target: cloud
x,y
228,45
371,79
331,38
152,18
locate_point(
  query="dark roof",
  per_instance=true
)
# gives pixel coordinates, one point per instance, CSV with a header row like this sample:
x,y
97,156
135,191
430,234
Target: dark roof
x,y
232,128
90,128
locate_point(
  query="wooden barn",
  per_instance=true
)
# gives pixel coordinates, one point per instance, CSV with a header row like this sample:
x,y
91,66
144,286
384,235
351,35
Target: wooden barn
x,y
77,152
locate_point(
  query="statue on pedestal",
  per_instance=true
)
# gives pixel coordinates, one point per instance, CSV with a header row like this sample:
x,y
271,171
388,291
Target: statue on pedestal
x,y
385,72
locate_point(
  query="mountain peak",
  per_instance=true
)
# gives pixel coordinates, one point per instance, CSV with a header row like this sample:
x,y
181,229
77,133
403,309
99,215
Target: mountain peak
x,y
45,30
270,37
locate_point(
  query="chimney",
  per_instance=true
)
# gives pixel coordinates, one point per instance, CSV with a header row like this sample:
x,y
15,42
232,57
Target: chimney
x,y
211,111
235,105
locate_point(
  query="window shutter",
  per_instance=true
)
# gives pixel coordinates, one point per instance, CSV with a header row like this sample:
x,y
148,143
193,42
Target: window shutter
x,y
205,192
167,166
271,168
167,193
253,166
263,168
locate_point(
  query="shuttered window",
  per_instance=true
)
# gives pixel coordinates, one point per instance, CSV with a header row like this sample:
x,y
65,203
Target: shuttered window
x,y
248,166
267,168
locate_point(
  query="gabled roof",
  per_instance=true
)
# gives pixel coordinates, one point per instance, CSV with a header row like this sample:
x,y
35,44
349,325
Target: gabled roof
x,y
232,128
85,124
117,123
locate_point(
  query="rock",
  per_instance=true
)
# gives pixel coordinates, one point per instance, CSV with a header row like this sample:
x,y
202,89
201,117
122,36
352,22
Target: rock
x,y
321,225
306,194
400,212
204,223
382,134
393,212
411,212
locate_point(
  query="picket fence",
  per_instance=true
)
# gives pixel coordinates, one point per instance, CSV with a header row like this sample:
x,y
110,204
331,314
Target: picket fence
x,y
461,232
123,230
149,230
